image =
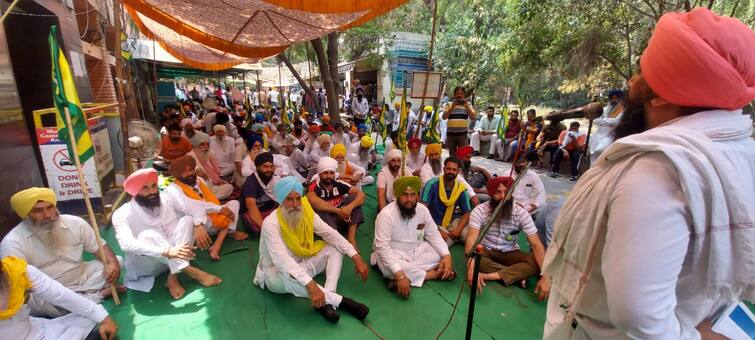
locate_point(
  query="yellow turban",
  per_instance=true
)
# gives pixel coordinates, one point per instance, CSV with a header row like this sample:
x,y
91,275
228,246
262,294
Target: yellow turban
x,y
428,108
23,201
432,148
366,142
338,149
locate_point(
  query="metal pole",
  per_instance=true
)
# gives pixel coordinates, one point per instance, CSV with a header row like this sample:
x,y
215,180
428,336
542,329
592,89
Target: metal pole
x,y
120,83
87,202
477,253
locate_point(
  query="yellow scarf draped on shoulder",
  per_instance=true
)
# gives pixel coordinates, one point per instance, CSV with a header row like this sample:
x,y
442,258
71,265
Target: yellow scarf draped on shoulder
x,y
14,270
449,202
219,221
301,239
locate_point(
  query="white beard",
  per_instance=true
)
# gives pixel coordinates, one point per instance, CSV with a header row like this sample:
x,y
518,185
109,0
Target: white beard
x,y
49,234
292,216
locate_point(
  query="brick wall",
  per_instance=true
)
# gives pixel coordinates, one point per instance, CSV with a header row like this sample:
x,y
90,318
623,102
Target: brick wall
x,y
101,80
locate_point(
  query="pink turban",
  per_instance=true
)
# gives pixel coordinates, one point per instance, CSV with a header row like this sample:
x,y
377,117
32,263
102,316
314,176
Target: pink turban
x,y
700,59
136,181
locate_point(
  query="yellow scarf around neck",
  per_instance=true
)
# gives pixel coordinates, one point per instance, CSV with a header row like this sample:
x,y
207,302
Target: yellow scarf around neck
x,y
449,202
14,270
301,239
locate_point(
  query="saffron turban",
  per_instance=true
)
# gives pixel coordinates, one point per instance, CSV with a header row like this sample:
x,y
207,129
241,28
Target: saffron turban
x,y
199,138
366,142
138,179
23,201
700,59
338,150
323,138
186,121
415,142
401,183
263,158
394,153
495,182
178,165
314,129
326,119
285,186
433,148
326,164
464,151
219,127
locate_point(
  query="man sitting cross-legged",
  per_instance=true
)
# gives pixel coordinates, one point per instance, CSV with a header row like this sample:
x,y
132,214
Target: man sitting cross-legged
x,y
408,248
448,200
192,197
337,203
54,243
258,192
290,257
348,172
501,258
155,237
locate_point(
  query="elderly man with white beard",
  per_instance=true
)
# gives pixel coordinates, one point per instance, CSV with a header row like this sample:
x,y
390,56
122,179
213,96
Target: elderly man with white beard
x,y
54,243
290,257
155,237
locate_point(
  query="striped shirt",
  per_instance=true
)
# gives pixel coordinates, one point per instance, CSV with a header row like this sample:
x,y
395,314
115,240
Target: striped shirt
x,y
457,120
496,238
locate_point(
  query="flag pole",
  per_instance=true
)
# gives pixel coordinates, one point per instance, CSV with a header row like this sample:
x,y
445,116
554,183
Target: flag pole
x,y
85,192
427,74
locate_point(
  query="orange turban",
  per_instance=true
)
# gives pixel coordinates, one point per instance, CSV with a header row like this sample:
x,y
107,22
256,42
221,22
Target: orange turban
x,y
700,59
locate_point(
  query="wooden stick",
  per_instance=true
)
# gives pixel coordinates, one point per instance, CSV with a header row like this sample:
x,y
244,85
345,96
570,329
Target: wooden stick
x,y
427,74
85,192
7,11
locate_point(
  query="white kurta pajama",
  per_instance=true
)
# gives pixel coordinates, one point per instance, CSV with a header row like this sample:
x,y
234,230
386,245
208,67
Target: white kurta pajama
x,y
67,266
660,272
280,271
198,209
413,246
603,136
530,190
145,235
84,316
225,154
385,180
487,125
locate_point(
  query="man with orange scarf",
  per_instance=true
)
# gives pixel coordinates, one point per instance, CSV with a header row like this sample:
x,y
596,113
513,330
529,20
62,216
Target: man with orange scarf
x,y
290,257
192,196
207,166
18,280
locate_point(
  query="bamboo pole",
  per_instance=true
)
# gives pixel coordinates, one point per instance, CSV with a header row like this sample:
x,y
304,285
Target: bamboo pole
x,y
85,192
120,82
7,11
427,74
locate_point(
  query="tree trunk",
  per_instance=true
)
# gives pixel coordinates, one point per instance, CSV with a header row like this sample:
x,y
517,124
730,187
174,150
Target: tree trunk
x,y
327,80
333,63
308,90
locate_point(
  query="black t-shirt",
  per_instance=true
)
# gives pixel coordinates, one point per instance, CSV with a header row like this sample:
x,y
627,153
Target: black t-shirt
x,y
334,196
253,189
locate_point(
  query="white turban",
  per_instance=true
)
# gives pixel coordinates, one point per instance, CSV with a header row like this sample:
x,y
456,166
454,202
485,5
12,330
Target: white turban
x,y
186,121
394,153
327,164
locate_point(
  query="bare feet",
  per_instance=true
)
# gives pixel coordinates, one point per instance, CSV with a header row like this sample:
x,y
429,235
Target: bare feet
x,y
107,293
239,235
432,274
215,251
175,289
205,279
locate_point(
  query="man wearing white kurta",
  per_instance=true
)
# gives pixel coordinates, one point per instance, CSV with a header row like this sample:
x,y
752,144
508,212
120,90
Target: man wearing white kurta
x,y
387,175
155,237
530,192
223,148
16,322
486,131
603,136
191,196
290,258
408,247
666,211
54,243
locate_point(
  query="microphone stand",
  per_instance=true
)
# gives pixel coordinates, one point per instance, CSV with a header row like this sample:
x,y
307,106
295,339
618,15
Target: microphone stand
x,y
476,251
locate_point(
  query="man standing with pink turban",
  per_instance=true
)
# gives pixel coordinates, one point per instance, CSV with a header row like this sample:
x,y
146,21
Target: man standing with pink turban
x,y
155,237
658,235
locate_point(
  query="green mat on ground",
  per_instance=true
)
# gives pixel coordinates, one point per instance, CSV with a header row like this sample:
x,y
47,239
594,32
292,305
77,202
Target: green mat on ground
x,y
237,309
